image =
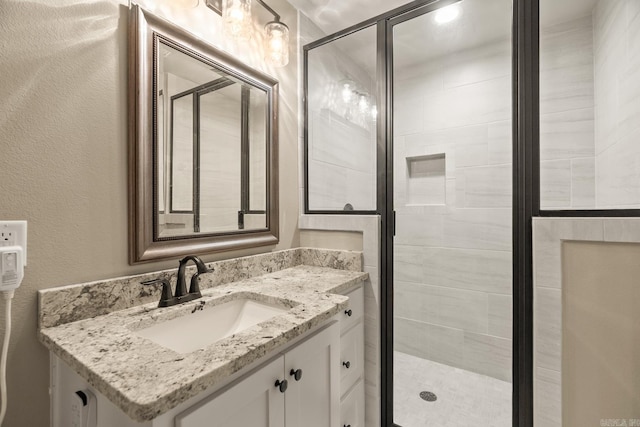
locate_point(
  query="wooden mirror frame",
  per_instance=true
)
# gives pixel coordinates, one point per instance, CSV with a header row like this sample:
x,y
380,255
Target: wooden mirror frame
x,y
145,32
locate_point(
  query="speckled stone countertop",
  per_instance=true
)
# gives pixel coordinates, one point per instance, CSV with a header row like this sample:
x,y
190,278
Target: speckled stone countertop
x,y
146,380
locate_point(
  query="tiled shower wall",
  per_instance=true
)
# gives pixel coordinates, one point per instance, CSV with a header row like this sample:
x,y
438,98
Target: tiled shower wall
x,y
341,153
453,259
617,91
567,162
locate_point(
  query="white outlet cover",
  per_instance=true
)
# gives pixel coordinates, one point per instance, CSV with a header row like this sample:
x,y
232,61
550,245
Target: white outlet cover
x,y
20,229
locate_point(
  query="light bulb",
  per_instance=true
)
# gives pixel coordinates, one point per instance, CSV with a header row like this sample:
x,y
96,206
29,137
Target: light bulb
x,y
447,14
363,103
347,92
277,40
187,4
236,15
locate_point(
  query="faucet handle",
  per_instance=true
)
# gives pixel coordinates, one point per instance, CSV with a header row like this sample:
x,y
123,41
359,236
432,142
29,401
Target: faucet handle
x,y
195,286
166,290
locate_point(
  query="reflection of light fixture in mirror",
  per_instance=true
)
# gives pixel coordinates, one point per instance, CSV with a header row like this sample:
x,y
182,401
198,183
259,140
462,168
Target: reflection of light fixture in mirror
x,y
277,38
238,25
236,15
374,112
447,14
363,102
347,91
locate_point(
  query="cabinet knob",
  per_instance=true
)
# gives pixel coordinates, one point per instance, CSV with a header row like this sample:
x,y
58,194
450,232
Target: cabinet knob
x,y
296,374
348,312
282,385
346,364
346,425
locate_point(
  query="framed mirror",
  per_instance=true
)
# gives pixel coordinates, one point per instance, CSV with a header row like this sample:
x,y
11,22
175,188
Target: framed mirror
x,y
203,146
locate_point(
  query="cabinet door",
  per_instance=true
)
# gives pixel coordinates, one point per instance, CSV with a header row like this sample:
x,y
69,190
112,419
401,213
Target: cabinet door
x,y
314,400
252,402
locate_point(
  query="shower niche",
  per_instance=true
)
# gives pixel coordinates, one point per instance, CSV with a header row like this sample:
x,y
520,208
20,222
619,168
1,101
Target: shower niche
x,y
426,180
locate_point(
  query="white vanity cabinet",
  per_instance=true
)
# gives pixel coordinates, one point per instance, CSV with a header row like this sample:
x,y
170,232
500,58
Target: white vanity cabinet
x,y
261,400
352,361
250,399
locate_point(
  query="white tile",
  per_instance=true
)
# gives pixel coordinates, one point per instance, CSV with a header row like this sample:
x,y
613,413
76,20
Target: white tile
x,y
500,142
416,301
407,264
583,183
547,235
464,398
555,184
488,187
429,341
478,229
548,404
436,111
488,355
567,134
408,112
501,315
471,145
462,309
622,230
566,44
478,270
418,229
484,102
569,88
476,65
548,328
618,174
326,186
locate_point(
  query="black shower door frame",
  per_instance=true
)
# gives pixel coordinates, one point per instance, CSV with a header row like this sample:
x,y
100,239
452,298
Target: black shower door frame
x,y
525,120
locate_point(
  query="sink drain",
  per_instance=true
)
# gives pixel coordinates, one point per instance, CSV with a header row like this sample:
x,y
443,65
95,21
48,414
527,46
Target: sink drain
x,y
428,396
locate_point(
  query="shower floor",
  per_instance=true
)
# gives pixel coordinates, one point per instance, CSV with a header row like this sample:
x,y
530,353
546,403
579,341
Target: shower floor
x,y
464,398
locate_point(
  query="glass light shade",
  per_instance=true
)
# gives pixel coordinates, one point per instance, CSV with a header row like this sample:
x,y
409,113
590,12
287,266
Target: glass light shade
x,y
363,102
347,91
188,4
236,15
277,43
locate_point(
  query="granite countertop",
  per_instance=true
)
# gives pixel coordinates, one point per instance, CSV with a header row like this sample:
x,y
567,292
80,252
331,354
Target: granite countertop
x,y
146,380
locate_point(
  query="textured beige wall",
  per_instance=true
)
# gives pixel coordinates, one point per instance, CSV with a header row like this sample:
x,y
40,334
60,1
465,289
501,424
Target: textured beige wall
x,y
600,333
63,157
343,240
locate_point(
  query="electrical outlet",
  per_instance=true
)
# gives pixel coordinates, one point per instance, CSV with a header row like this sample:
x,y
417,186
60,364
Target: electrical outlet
x,y
14,233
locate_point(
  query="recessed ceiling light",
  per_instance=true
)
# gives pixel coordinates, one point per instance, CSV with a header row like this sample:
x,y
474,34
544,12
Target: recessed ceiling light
x,y
447,14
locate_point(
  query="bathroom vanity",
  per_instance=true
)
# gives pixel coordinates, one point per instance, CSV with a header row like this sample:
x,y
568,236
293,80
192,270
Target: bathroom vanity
x,y
291,355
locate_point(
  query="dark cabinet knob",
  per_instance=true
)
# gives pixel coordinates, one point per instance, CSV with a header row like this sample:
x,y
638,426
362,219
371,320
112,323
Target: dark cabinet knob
x,y
296,374
346,425
346,364
348,312
282,385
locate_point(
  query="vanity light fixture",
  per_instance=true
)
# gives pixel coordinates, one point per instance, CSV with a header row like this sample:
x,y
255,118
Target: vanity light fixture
x,y
238,25
447,14
236,15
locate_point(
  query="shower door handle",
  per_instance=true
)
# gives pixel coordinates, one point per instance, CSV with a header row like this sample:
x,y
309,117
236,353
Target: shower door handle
x,y
394,223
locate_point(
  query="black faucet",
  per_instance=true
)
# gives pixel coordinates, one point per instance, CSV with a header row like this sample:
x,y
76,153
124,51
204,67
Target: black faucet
x,y
181,295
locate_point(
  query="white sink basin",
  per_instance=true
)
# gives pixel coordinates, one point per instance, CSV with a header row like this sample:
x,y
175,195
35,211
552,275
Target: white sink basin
x,y
197,330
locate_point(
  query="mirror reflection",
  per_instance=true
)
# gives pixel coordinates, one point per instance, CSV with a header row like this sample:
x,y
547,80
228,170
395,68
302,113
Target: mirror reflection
x,y
211,149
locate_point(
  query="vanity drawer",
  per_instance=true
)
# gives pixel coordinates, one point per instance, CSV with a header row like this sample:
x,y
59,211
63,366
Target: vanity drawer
x,y
355,311
351,357
352,407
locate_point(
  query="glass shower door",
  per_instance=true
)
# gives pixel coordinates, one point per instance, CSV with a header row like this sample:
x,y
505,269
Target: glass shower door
x,y
452,196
